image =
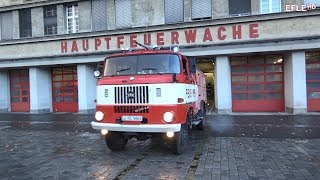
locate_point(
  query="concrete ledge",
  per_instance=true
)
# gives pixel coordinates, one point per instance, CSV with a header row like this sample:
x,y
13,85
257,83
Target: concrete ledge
x,y
296,110
4,110
224,111
39,111
87,111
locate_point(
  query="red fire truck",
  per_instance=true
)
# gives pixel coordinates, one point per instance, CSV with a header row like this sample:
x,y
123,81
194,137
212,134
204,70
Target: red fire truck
x,y
150,93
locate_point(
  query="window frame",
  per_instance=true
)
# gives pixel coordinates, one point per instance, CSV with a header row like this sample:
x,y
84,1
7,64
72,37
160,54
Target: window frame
x,y
270,7
50,20
74,17
27,30
165,15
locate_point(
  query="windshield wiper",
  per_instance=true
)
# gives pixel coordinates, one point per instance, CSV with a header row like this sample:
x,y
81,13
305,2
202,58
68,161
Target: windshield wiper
x,y
152,69
121,70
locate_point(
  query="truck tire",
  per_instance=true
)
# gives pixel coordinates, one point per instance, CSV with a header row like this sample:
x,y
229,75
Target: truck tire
x,y
181,139
116,141
202,124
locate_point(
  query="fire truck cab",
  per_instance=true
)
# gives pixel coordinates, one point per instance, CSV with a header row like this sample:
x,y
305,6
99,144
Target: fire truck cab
x,y
150,93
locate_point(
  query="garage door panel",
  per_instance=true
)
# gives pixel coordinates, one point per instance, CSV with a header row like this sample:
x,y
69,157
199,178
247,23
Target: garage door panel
x,y
264,106
65,89
313,80
257,84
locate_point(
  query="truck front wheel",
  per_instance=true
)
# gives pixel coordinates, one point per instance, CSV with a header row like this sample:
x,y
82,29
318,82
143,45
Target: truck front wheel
x,y
116,141
180,141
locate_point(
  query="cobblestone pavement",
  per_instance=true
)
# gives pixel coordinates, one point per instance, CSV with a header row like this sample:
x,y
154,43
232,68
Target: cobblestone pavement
x,y
72,151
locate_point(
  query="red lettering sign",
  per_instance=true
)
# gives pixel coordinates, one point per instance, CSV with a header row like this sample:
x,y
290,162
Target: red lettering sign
x,y
253,31
107,39
85,44
97,43
220,36
119,41
236,30
74,47
207,35
64,47
147,39
190,35
174,37
160,40
133,41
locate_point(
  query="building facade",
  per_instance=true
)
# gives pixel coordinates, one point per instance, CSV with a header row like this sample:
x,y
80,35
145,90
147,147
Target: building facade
x,y
259,55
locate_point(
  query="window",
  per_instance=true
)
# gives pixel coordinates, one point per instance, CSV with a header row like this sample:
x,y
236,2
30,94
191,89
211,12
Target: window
x,y
316,2
239,8
201,9
25,23
99,15
50,20
7,26
270,6
142,64
173,11
123,13
72,19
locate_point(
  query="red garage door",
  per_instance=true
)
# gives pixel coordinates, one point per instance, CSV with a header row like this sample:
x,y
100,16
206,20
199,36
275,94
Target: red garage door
x,y
19,90
313,80
65,89
257,84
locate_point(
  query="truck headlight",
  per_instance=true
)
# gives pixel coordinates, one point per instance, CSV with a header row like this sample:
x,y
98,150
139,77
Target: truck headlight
x,y
168,117
99,115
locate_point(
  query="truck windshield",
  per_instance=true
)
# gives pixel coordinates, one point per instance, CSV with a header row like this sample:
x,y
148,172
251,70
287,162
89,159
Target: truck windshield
x,y
142,64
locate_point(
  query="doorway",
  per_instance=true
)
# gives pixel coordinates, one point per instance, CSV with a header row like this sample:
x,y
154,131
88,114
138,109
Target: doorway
x,y
206,65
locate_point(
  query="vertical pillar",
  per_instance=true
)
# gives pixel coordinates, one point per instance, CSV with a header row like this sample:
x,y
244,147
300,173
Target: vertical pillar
x,y
40,90
5,91
220,9
295,82
86,88
111,15
84,16
255,7
16,25
37,22
61,24
222,85
187,10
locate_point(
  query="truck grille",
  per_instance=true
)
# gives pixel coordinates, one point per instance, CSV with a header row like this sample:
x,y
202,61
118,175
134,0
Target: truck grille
x,y
131,95
131,109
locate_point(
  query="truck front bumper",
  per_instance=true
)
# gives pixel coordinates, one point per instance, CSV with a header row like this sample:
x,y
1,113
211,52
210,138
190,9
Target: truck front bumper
x,y
156,128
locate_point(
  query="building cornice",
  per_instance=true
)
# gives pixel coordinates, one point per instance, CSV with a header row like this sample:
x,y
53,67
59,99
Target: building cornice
x,y
166,27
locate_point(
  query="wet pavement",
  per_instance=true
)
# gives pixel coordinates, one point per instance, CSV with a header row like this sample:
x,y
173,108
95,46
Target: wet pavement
x,y
63,146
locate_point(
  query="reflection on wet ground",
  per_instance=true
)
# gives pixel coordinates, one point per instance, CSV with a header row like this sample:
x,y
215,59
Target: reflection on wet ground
x,y
63,146
266,126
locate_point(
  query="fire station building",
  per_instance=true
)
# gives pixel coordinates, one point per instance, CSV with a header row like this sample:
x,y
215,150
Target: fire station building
x,y
258,55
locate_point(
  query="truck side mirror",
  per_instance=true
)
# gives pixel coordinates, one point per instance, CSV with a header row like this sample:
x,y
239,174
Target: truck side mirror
x,y
97,72
192,64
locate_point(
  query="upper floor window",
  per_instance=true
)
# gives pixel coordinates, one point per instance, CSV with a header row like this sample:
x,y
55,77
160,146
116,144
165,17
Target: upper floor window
x,y
72,18
316,2
50,20
123,13
270,6
173,11
25,23
6,26
201,9
99,15
239,8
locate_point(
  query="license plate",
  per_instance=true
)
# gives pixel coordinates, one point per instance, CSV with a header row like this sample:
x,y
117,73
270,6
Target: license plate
x,y
131,118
